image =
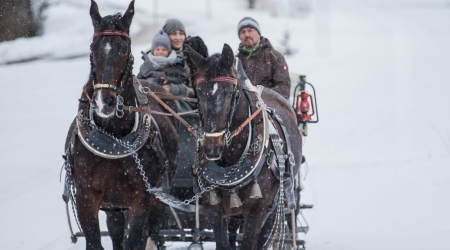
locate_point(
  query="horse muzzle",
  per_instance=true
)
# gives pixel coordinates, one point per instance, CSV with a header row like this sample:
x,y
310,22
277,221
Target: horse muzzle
x,y
214,153
106,103
213,147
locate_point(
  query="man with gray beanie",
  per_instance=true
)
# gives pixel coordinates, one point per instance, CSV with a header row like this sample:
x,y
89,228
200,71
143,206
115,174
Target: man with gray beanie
x,y
262,63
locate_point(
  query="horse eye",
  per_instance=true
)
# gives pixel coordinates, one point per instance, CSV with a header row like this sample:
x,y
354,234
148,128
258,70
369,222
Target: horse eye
x,y
125,49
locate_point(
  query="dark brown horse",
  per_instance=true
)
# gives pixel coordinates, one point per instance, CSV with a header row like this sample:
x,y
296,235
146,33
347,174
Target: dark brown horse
x,y
240,160
117,153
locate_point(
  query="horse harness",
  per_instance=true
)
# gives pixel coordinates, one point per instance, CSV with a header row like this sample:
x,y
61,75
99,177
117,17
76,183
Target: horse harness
x,y
250,163
262,129
234,177
103,144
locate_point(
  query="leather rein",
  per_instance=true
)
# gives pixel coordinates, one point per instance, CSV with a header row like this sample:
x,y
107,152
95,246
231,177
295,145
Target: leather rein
x,y
158,96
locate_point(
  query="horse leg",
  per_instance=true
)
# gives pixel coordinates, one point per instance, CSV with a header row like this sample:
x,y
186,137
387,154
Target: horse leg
x,y
87,209
233,227
220,227
156,221
137,236
115,221
266,230
252,227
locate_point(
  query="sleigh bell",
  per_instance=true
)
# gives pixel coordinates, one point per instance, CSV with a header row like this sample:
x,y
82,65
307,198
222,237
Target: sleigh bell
x,y
235,201
256,191
214,197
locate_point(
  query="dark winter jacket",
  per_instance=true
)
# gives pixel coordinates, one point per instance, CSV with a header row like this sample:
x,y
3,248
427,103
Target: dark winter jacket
x,y
155,67
266,66
187,89
182,64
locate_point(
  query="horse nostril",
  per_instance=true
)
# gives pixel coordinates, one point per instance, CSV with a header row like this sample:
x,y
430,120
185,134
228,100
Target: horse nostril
x,y
110,100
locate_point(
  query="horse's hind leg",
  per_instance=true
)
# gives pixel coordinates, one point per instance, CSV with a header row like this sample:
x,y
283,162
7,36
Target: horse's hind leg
x,y
156,221
115,220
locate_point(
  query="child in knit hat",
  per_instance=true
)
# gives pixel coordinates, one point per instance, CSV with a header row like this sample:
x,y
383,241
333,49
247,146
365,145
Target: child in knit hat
x,y
161,44
160,63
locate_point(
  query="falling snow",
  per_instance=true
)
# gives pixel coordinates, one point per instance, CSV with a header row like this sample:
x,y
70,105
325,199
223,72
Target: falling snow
x,y
378,161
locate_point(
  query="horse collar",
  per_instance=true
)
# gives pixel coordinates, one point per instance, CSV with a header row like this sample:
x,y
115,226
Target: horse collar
x,y
105,145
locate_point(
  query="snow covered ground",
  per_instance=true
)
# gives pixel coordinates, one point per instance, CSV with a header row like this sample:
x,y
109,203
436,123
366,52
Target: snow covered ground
x,y
379,160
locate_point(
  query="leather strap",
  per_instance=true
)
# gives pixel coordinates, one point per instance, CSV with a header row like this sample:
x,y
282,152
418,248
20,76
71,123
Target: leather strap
x,y
140,110
189,127
239,129
174,97
112,33
134,109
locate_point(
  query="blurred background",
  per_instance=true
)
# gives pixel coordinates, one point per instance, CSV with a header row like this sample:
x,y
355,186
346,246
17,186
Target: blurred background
x,y
378,162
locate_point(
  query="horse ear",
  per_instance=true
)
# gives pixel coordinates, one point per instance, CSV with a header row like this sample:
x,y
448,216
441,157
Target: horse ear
x,y
195,57
128,16
95,15
227,56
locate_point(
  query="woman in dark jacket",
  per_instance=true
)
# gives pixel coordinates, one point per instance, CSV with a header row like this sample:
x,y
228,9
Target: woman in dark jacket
x,y
177,35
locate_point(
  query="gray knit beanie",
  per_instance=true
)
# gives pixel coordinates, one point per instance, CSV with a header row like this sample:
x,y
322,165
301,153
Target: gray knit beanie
x,y
161,39
173,24
248,22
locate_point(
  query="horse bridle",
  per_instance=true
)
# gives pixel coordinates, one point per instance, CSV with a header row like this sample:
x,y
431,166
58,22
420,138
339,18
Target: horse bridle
x,y
130,61
235,99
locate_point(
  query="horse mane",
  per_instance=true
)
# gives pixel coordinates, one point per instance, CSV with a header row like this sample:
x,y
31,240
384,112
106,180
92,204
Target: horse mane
x,y
197,44
214,67
112,22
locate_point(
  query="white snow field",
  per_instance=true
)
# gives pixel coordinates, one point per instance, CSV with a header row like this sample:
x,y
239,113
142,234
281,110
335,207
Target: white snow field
x,y
379,159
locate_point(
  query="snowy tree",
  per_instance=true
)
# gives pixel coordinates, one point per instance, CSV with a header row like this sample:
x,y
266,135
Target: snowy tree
x,y
288,8
251,4
21,18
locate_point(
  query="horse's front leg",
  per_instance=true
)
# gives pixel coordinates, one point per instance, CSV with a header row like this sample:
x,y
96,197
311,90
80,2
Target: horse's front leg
x,y
219,225
115,220
233,227
266,230
253,222
87,210
137,218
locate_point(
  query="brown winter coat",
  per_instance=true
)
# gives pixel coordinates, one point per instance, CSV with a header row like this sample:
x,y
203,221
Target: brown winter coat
x,y
267,67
